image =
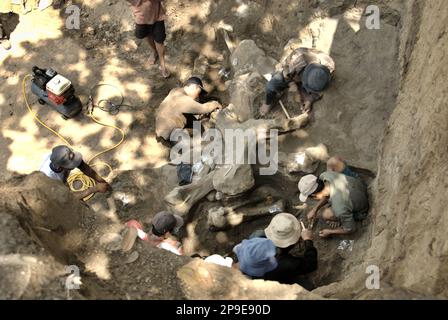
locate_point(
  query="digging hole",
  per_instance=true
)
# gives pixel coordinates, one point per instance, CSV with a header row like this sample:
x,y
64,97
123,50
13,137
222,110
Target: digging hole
x,y
201,240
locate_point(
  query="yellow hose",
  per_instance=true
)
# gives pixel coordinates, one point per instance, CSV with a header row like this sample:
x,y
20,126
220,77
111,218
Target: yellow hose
x,y
78,176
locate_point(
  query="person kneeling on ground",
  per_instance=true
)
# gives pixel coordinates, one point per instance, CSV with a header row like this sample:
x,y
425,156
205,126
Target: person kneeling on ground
x,y
258,258
164,228
337,164
62,161
306,72
346,196
177,110
149,18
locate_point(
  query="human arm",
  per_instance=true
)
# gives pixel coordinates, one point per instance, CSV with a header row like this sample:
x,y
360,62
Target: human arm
x,y
310,255
313,212
172,245
88,171
80,195
309,99
347,226
189,105
325,233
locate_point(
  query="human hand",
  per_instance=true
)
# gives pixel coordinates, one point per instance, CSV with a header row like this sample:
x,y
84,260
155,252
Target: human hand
x,y
312,214
102,187
306,107
307,234
172,242
325,233
217,105
264,109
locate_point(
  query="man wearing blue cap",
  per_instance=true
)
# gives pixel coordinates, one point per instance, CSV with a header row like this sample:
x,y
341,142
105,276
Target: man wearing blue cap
x,y
305,71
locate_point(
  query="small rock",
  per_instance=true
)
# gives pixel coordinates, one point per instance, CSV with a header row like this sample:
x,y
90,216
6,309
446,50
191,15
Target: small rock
x,y
90,31
132,257
211,196
219,195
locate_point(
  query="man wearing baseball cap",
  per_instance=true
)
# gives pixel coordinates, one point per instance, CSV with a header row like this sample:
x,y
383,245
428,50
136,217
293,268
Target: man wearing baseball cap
x,y
164,227
178,109
345,196
62,161
165,223
306,72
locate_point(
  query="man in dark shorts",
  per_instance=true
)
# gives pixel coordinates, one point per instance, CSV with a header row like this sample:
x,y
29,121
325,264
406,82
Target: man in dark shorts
x,y
149,18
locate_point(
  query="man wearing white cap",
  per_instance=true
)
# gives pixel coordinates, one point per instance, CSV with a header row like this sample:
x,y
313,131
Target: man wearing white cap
x,y
345,195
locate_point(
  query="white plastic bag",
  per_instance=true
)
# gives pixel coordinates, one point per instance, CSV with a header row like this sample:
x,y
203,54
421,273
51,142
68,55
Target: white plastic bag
x,y
346,245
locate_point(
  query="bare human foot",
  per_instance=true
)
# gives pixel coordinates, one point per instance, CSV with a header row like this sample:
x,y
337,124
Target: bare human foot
x,y
164,72
264,109
306,107
333,224
152,58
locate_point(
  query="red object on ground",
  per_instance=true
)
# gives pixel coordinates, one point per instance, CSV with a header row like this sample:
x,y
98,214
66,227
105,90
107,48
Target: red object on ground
x,y
55,99
137,225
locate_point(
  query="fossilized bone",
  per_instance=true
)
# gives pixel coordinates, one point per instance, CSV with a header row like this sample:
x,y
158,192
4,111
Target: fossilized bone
x,y
181,199
223,217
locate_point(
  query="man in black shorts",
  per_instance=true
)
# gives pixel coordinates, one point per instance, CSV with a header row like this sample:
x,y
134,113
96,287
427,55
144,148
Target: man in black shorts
x,y
149,18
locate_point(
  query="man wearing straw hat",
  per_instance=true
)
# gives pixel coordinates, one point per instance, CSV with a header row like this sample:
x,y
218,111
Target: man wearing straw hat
x,y
268,258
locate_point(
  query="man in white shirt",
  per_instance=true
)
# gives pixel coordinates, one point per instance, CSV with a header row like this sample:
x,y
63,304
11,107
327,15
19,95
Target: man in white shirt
x,y
62,161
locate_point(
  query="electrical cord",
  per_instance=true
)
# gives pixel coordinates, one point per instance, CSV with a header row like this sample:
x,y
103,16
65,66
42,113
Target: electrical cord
x,y
78,177
107,105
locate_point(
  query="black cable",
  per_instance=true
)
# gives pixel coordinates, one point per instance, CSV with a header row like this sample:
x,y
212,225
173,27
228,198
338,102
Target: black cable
x,y
110,107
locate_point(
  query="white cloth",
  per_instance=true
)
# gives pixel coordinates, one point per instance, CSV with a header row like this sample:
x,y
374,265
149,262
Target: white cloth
x,y
46,169
220,260
44,4
166,246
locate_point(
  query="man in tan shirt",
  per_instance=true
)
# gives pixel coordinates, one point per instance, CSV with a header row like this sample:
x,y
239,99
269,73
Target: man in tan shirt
x,y
149,18
306,72
178,109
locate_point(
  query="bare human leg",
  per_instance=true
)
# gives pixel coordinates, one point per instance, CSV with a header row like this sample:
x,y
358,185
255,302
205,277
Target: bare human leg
x,y
160,47
153,55
330,218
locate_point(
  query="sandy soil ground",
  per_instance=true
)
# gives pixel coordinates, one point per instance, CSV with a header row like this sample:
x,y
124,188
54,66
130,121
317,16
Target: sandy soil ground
x,y
350,119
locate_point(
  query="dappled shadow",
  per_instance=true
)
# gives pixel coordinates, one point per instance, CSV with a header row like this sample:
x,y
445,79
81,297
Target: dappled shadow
x,y
349,119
